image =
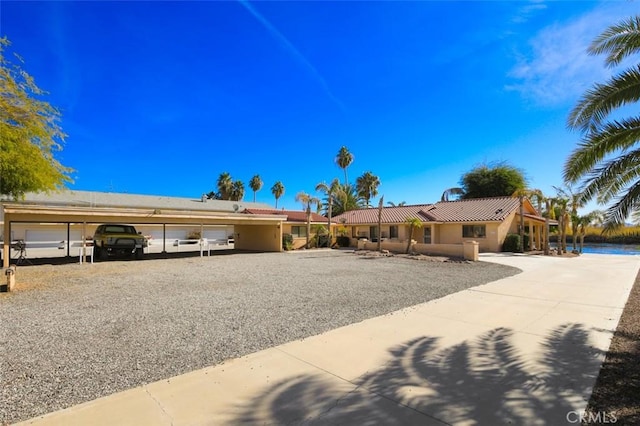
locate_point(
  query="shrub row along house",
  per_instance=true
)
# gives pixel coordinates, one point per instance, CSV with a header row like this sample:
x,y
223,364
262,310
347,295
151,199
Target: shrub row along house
x,y
484,220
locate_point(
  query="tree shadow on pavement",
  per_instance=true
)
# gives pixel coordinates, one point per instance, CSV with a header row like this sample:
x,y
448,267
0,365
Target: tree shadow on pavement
x,y
484,381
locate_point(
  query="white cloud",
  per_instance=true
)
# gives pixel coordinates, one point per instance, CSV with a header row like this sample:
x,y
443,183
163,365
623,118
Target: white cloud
x,y
558,69
527,11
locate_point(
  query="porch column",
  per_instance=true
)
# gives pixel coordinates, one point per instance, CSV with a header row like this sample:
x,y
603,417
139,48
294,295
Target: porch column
x,y
7,242
202,240
539,233
84,243
68,239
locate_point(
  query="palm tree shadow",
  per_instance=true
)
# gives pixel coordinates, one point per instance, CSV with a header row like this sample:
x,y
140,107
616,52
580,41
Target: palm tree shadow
x,y
484,381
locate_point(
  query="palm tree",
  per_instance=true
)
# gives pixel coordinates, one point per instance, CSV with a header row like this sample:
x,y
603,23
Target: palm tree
x,y
346,199
256,185
400,204
344,160
522,194
598,218
330,190
380,206
225,186
307,200
549,215
562,216
608,158
583,222
448,193
414,223
574,202
367,186
277,190
237,191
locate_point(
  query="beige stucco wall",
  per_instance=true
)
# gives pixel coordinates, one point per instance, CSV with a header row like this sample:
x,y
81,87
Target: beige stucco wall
x,y
455,250
299,242
395,247
365,231
451,233
505,228
448,233
258,237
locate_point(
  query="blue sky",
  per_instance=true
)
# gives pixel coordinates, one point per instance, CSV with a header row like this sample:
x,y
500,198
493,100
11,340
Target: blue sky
x,y
161,97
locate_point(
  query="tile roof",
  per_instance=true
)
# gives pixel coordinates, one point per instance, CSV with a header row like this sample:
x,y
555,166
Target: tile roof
x,y
292,215
476,210
389,215
115,199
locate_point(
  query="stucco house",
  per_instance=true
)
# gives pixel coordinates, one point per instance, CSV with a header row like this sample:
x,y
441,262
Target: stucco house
x,y
295,223
485,220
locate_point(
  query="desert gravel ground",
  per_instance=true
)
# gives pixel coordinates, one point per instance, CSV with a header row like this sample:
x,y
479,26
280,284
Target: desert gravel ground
x,y
73,333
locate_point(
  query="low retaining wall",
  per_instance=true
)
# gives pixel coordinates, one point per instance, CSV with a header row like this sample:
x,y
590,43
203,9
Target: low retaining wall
x,y
395,247
468,250
454,250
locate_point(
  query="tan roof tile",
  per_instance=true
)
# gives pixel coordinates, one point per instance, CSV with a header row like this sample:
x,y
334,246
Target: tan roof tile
x,y
476,210
389,215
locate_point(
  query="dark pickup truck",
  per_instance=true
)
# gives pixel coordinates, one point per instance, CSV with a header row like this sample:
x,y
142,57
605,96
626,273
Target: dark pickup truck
x,y
113,239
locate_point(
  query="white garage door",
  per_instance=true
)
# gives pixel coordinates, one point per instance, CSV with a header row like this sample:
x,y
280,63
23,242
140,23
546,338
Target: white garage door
x,y
171,234
215,234
50,235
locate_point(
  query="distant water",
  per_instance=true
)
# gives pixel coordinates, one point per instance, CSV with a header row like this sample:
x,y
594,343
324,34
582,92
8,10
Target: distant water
x,y
630,249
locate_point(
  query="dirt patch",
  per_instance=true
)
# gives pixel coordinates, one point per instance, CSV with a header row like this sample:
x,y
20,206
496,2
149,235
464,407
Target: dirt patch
x,y
617,390
43,276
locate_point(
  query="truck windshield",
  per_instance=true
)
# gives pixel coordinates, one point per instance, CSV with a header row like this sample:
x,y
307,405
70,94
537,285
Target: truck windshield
x,y
119,229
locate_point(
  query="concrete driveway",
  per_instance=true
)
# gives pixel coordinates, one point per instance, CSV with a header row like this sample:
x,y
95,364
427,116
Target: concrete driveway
x,y
523,350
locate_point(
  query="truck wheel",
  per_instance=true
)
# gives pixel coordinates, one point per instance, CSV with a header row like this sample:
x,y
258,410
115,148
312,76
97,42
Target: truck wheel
x,y
100,253
139,253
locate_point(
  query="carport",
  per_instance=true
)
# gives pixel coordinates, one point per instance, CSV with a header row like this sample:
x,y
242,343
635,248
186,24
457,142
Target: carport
x,y
251,232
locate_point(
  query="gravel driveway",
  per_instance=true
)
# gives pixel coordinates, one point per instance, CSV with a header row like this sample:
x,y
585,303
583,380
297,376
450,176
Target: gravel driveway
x,y
73,333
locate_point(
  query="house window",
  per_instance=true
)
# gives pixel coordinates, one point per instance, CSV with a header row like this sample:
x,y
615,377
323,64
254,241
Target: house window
x,y
299,231
373,233
393,231
427,235
474,231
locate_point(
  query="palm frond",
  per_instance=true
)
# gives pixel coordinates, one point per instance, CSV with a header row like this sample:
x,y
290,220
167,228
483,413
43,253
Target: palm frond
x,y
607,180
627,203
618,41
614,136
598,102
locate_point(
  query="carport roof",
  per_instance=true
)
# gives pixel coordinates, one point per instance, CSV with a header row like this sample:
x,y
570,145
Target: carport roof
x,y
72,214
92,199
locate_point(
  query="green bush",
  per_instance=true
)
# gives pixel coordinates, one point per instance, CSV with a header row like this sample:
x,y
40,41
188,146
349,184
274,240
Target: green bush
x,y
343,241
511,243
287,241
322,241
